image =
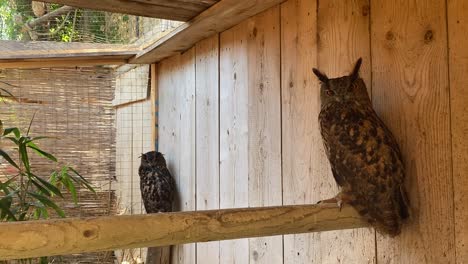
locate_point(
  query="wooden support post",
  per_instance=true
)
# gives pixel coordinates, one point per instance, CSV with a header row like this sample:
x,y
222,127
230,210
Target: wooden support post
x,y
68,236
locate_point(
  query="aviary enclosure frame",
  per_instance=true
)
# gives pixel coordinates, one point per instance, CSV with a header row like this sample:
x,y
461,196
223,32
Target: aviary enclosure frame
x,y
238,122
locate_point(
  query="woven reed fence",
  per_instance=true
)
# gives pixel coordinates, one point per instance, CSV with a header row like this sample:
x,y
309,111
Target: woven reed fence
x,y
73,106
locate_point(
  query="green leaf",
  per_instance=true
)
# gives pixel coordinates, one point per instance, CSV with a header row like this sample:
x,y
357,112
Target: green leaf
x,y
82,180
40,187
70,187
7,158
30,123
13,130
24,157
14,140
53,178
5,205
49,186
47,202
44,260
4,185
41,153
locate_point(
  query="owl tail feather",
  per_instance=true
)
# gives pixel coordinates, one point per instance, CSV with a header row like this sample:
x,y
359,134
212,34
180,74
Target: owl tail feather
x,y
388,223
402,203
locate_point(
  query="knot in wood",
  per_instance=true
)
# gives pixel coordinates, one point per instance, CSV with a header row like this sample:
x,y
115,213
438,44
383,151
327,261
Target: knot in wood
x,y
429,36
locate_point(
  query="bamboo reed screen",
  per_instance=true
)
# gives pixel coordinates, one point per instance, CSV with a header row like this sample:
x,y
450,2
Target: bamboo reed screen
x,y
74,107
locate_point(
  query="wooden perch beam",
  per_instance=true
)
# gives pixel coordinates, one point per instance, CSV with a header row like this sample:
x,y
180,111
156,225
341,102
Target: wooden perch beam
x,y
181,10
68,236
219,17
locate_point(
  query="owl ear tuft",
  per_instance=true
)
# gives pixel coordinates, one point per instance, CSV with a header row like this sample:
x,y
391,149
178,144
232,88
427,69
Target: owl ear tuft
x,y
355,73
321,76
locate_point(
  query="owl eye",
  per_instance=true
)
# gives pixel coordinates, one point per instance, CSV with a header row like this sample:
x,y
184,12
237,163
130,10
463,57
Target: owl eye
x,y
330,93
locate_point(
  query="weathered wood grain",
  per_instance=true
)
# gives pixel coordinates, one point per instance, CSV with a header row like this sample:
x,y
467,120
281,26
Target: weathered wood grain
x,y
207,137
185,138
167,76
457,15
154,97
264,124
233,135
343,37
217,18
410,93
67,62
302,156
173,10
54,237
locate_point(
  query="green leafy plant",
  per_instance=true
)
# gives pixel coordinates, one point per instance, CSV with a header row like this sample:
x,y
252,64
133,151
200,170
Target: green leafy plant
x,y
25,195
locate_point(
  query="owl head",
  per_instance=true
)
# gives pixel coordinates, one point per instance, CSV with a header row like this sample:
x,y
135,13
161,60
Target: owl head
x,y
153,159
342,89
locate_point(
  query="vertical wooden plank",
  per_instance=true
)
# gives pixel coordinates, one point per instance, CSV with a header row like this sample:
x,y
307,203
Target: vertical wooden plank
x,y
186,170
458,65
207,137
176,83
264,124
343,37
302,155
250,130
154,107
410,92
233,111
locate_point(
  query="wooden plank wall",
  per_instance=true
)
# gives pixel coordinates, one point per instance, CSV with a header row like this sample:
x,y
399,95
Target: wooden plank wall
x,y
458,80
238,124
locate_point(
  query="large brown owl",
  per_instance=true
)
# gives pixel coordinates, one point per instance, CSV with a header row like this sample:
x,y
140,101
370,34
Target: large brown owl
x,y
156,183
365,158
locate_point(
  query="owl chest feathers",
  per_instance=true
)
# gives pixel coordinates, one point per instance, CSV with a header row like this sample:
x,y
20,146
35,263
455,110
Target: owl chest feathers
x,y
361,150
157,189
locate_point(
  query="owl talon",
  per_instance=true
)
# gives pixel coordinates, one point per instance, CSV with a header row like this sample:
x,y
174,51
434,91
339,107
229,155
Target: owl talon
x,y
338,201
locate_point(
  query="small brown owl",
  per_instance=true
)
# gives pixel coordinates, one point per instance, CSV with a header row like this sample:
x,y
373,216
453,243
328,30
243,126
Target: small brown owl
x,y
365,158
156,183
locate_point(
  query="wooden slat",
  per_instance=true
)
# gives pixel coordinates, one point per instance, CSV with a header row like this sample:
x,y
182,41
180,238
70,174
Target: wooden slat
x,y
177,134
16,50
168,117
302,155
39,54
234,183
187,168
65,236
264,124
410,92
67,62
343,32
217,18
457,15
154,97
207,137
181,10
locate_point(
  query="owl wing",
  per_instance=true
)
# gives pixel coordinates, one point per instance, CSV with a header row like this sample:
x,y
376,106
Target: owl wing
x,y
165,189
365,160
148,187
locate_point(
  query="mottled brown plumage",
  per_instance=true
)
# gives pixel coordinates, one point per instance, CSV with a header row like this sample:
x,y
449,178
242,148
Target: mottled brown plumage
x,y
156,183
365,158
